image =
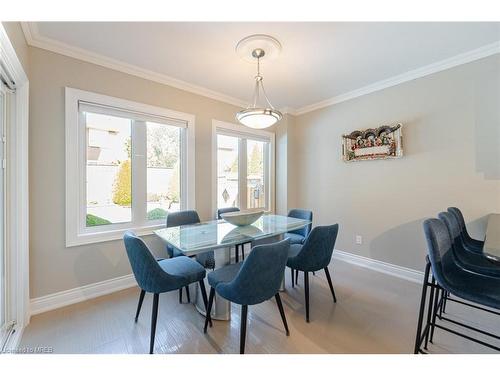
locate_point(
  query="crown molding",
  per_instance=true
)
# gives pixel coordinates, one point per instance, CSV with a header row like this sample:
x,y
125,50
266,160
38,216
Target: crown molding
x,y
463,58
33,38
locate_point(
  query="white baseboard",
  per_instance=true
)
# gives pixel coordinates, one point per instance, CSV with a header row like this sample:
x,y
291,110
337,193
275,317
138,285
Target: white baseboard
x,y
69,297
379,266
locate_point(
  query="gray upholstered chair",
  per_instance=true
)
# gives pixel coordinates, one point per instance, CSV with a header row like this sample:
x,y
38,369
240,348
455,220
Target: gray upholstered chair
x,y
471,243
162,276
237,247
187,217
250,282
315,254
298,236
464,257
449,277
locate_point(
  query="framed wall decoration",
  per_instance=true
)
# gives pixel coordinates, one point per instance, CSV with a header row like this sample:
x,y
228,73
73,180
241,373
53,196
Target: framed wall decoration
x,y
384,142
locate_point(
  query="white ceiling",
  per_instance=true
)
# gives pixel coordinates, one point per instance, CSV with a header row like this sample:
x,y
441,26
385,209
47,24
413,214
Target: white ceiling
x,y
318,61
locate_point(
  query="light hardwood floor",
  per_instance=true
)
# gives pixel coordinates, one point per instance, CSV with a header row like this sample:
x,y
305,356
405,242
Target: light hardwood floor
x,y
375,313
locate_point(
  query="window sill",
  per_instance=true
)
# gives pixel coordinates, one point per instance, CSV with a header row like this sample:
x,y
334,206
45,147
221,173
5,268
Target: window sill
x,y
111,235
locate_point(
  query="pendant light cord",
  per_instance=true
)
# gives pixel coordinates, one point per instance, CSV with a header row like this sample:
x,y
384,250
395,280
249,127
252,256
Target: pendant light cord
x,y
259,80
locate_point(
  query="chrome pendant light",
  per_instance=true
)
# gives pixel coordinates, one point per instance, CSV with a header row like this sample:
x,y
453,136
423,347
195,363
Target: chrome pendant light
x,y
258,116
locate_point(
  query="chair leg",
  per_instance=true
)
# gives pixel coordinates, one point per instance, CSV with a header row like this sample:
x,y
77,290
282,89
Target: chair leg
x,y
306,284
422,307
292,271
187,293
429,311
296,277
209,309
434,314
153,322
139,305
330,284
282,312
237,253
180,295
205,300
314,273
242,251
243,329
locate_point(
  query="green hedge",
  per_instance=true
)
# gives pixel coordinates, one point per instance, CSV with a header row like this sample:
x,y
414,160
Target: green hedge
x,y
93,220
157,213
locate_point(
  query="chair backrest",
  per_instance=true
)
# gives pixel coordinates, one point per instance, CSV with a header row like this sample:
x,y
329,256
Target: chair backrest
x,y
439,247
317,250
226,210
464,257
461,221
175,219
148,274
260,276
301,214
452,224
458,214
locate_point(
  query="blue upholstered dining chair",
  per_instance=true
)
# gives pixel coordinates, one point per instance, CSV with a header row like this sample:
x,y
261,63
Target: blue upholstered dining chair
x,y
449,277
162,276
187,217
250,282
237,247
472,244
315,254
464,257
298,236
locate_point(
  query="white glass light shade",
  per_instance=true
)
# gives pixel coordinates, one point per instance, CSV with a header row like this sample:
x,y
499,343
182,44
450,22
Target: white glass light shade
x,y
259,118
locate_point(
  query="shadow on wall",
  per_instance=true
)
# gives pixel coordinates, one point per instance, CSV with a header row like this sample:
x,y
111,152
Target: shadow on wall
x,y
408,243
477,228
403,245
487,127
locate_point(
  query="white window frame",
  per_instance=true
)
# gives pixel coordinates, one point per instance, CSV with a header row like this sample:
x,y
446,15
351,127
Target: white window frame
x,y
76,208
244,133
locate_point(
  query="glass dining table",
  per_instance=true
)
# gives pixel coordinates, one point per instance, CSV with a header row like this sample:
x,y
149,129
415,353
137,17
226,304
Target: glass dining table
x,y
491,248
220,236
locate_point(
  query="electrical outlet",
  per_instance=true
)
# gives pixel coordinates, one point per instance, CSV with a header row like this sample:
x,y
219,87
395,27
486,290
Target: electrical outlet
x,y
359,240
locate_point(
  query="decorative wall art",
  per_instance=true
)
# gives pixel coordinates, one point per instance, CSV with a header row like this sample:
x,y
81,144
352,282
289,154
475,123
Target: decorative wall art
x,y
384,142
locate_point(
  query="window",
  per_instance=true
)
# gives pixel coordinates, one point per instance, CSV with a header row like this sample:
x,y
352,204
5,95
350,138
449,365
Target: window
x,y
244,167
127,165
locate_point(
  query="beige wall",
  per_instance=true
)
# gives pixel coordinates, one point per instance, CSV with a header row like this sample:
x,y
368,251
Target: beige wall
x,y
53,266
452,157
16,37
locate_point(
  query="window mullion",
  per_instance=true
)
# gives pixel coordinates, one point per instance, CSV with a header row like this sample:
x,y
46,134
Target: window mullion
x,y
139,173
242,173
267,176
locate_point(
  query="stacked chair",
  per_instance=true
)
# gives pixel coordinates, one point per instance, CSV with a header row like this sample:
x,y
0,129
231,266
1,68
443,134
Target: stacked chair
x,y
455,267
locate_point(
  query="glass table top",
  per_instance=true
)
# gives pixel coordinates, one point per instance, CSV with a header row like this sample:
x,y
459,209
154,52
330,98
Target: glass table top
x,y
491,247
209,235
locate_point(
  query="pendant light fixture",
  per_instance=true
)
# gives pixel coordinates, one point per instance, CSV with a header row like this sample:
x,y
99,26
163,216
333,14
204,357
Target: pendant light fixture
x,y
259,115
